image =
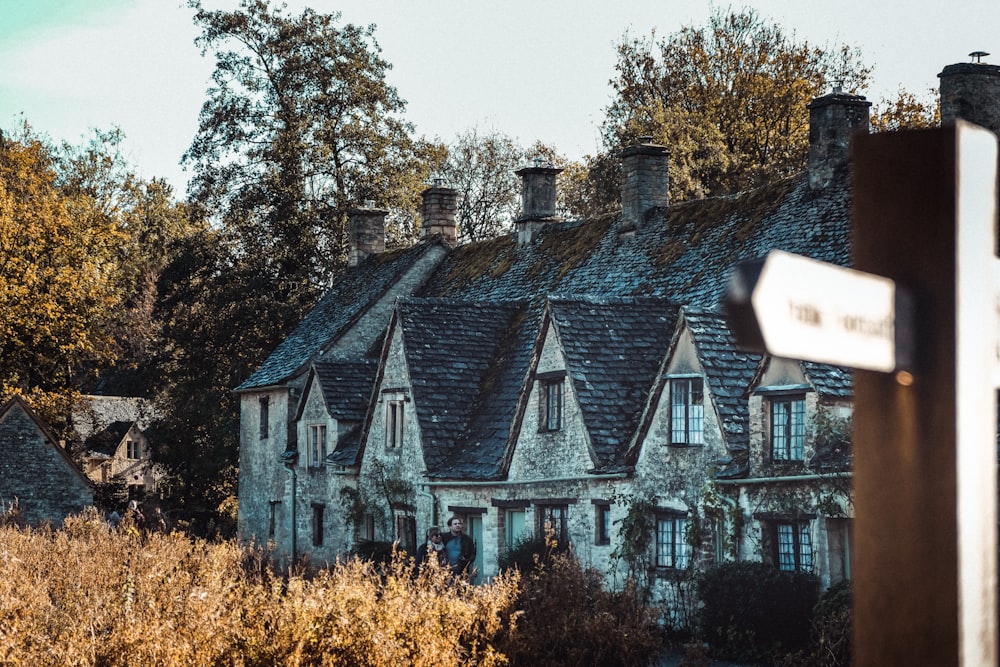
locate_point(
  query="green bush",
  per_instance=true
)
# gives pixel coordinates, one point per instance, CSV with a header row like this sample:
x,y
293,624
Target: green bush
x,y
753,611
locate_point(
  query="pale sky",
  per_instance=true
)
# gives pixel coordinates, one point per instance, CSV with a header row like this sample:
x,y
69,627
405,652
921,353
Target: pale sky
x,y
533,69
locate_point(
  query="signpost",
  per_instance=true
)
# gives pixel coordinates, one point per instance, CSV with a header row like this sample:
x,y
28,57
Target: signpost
x,y
925,441
800,308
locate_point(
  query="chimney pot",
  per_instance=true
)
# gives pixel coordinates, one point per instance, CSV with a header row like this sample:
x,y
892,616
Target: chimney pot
x,y
645,181
833,119
439,212
538,200
971,91
365,232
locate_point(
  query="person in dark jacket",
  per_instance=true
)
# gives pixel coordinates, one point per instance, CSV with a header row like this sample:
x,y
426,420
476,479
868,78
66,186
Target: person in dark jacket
x,y
435,546
459,547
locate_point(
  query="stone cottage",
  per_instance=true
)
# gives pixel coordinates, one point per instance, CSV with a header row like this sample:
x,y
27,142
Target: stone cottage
x,y
571,376
39,482
115,448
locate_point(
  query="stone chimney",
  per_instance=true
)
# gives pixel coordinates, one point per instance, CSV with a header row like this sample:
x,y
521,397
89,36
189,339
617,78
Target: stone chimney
x,y
538,200
439,212
971,91
365,232
833,119
645,181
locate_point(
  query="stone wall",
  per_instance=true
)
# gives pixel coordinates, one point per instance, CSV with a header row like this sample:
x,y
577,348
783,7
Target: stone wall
x,y
36,475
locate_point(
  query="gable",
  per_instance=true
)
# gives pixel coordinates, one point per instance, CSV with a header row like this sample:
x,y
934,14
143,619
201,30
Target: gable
x,y
35,471
365,292
613,349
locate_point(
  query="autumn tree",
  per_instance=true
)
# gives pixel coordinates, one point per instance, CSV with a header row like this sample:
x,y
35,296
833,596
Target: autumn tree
x,y
906,111
57,279
299,126
106,191
481,166
729,99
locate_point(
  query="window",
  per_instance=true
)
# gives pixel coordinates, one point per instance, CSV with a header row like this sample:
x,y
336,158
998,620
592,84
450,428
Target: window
x,y
550,403
672,548
394,423
793,546
368,527
132,449
317,524
788,428
552,520
687,412
602,523
406,532
513,527
272,519
317,445
264,405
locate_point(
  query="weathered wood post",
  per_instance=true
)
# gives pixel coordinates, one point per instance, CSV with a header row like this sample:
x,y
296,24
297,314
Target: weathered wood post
x,y
925,443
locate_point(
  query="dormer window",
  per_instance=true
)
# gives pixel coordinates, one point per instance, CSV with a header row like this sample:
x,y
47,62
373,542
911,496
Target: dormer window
x,y
132,450
316,445
788,427
551,387
687,412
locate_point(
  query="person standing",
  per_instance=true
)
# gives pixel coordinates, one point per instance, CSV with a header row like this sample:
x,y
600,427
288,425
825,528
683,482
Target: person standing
x,y
433,548
459,547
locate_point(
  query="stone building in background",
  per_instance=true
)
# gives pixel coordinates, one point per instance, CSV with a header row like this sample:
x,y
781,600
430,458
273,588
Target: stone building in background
x,y
571,375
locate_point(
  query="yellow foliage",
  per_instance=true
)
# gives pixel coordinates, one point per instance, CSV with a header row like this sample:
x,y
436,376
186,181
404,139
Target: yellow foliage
x,y
89,595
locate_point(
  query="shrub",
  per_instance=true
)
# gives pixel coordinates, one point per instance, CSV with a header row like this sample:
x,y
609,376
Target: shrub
x,y
753,611
568,618
529,552
831,631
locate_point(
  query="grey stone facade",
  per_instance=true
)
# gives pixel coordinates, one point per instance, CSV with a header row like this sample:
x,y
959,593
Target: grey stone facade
x,y
36,473
564,378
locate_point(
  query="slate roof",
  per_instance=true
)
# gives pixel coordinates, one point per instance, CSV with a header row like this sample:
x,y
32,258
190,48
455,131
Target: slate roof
x,y
728,372
613,349
347,387
684,253
832,381
468,383
106,441
455,351
354,292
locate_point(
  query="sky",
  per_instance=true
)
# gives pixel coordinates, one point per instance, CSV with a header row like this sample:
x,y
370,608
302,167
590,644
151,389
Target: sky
x,y
532,69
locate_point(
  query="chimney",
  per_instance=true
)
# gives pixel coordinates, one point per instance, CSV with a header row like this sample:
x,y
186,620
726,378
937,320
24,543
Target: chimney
x,y
438,212
833,119
366,232
538,200
645,181
971,91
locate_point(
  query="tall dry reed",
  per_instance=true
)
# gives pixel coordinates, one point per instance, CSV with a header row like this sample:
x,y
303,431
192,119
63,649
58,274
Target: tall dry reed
x,y
88,595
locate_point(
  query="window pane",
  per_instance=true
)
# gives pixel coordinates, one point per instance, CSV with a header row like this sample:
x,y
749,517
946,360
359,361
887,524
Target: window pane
x,y
664,542
779,432
786,547
805,548
681,547
797,432
514,527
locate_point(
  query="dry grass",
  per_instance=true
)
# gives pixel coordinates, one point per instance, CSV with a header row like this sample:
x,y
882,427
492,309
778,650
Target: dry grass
x,y
86,595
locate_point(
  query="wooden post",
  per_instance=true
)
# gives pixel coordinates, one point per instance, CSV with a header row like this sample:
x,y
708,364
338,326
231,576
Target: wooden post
x,y
925,443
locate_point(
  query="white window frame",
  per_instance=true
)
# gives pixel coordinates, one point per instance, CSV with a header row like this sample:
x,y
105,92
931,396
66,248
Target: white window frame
x,y
671,548
687,410
788,427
